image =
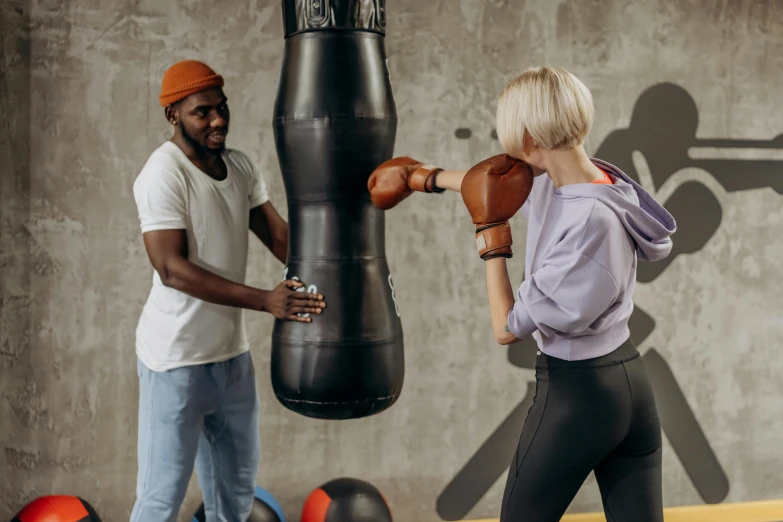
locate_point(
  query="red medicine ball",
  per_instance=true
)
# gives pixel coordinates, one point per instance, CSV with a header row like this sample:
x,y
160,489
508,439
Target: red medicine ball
x,y
346,500
57,508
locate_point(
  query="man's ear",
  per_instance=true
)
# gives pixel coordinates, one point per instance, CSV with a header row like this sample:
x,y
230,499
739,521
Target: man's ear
x,y
171,114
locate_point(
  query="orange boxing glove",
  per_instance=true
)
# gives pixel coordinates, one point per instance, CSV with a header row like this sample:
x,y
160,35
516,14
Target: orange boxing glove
x,y
493,191
396,179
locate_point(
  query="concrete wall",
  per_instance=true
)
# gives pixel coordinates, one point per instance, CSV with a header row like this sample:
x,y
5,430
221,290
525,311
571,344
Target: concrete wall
x,y
79,80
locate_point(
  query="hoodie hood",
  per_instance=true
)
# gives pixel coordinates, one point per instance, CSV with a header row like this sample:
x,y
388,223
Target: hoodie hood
x,y
650,225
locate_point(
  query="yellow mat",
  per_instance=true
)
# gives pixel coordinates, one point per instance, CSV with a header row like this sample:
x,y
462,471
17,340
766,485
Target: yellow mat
x,y
764,511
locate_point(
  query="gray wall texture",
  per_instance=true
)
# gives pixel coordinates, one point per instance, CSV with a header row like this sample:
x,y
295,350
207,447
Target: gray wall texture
x,y
79,116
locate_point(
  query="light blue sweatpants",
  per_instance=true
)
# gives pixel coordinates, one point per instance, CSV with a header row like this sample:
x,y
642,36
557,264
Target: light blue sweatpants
x,y
207,415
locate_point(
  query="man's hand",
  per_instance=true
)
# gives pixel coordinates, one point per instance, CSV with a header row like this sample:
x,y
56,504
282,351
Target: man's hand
x,y
285,302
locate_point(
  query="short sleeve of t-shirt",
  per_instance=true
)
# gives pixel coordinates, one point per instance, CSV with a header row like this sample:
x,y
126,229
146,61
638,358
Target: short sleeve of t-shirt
x,y
256,187
258,191
160,199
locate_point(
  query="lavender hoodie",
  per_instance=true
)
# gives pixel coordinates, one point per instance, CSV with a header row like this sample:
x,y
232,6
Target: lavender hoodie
x,y
583,242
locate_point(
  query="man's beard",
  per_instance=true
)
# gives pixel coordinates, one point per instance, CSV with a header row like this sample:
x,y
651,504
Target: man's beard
x,y
199,146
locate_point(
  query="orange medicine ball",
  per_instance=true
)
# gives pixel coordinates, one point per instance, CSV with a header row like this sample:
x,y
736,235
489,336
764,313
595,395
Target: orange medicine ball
x,y
57,508
346,500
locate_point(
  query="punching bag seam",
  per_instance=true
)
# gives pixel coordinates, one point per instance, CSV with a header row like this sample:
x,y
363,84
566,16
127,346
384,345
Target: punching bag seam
x,y
330,260
304,401
336,32
302,341
348,197
347,117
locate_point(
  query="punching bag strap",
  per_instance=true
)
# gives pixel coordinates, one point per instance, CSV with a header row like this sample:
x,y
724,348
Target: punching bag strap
x,y
423,179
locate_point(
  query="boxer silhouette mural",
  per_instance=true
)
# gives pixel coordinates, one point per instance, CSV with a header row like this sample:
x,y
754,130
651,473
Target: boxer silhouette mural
x,y
659,142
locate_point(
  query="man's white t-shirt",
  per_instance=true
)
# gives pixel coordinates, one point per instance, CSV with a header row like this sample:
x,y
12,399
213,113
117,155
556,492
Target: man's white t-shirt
x,y
176,329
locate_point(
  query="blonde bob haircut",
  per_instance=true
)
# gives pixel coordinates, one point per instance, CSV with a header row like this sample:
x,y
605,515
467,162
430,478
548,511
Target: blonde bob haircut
x,y
551,104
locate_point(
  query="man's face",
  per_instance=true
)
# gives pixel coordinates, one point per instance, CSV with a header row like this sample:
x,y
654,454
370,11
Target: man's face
x,y
203,119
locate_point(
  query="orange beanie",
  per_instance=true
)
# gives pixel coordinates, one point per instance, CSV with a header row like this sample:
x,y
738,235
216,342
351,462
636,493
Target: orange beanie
x,y
185,78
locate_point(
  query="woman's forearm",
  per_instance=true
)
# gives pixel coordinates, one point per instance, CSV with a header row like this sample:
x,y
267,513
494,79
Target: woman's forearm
x,y
450,179
501,299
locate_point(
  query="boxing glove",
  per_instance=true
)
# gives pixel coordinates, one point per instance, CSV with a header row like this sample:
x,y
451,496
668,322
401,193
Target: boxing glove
x,y
493,191
396,179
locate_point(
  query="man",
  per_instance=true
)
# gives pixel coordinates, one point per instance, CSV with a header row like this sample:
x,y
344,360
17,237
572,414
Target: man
x,y
197,403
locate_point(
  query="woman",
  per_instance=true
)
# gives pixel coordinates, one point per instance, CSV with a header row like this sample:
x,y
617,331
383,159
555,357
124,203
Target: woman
x,y
588,224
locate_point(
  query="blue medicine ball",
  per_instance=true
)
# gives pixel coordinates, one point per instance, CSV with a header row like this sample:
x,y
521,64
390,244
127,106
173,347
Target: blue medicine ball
x,y
266,508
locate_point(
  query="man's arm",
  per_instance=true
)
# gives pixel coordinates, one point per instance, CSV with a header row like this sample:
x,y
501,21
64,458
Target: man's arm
x,y
501,299
271,229
168,252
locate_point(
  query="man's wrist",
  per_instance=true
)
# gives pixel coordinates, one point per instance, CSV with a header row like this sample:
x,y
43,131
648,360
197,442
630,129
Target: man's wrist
x,y
258,299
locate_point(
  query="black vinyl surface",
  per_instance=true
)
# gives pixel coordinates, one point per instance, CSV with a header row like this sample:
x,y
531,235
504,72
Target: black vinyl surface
x,y
335,121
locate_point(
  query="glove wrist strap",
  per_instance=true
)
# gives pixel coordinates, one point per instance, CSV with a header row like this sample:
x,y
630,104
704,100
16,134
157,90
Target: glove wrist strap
x,y
423,179
494,240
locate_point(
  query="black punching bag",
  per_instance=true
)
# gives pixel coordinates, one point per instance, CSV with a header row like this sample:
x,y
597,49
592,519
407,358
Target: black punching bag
x,y
335,121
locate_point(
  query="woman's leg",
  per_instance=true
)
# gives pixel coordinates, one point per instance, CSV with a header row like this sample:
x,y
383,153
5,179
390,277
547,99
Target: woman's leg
x,y
545,473
581,412
630,477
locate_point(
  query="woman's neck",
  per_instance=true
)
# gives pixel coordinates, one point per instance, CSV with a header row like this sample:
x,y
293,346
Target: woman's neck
x,y
568,167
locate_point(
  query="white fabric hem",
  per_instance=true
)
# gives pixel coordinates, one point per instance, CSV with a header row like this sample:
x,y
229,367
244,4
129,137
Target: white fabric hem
x,y
171,365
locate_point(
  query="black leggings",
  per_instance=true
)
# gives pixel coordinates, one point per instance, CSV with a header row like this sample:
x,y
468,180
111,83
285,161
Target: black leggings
x,y
595,415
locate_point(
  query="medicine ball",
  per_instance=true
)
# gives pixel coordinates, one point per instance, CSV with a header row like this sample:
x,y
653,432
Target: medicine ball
x,y
265,509
346,500
57,508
